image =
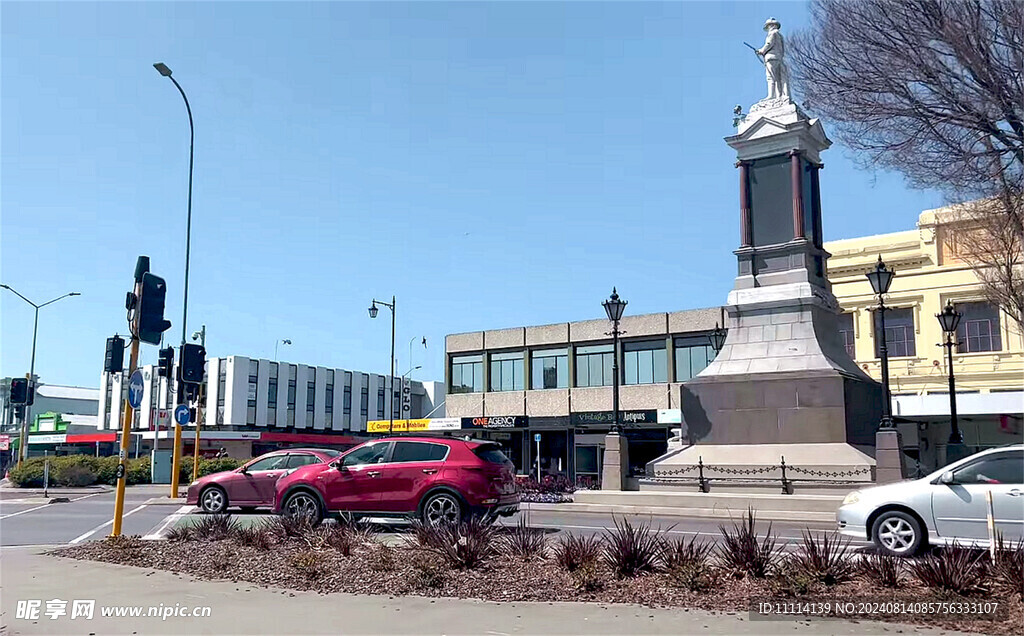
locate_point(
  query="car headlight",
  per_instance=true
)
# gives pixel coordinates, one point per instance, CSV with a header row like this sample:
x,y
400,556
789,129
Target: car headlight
x,y
851,498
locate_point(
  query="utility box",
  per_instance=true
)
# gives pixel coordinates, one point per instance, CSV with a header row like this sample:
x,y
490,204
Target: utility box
x,y
160,466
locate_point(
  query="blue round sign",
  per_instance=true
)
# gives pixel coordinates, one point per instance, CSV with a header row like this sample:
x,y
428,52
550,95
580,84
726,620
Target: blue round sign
x,y
181,414
136,388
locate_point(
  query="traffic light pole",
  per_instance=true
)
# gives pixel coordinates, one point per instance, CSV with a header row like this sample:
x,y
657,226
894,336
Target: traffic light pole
x,y
195,450
126,429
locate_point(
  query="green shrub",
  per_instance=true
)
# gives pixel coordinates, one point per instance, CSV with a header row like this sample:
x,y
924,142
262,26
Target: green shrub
x,y
138,471
106,470
29,474
77,475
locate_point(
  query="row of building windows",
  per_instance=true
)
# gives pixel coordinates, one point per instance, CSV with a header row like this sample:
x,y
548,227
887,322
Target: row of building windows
x,y
272,396
978,330
643,362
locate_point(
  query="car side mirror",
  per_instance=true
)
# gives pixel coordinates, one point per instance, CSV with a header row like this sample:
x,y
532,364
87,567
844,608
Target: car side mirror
x,y
243,469
338,465
947,478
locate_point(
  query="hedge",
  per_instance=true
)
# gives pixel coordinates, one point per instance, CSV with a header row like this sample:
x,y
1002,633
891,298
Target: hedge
x,y
86,470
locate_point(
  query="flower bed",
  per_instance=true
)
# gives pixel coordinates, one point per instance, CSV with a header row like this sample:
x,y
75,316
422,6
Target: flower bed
x,y
629,564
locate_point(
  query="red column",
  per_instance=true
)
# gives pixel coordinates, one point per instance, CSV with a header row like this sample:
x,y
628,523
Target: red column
x,y
798,194
745,225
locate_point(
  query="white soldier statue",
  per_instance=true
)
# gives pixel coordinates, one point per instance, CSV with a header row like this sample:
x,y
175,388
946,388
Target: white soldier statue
x,y
773,53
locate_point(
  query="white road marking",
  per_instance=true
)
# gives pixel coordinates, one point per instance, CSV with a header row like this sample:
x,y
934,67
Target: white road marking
x,y
85,536
171,519
21,512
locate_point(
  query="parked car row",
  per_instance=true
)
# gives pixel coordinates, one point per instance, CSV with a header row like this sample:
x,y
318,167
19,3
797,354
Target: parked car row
x,y
432,479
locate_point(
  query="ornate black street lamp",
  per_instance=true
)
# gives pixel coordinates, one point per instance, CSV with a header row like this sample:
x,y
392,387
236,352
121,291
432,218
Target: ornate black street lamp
x,y
949,319
717,338
614,307
373,314
880,279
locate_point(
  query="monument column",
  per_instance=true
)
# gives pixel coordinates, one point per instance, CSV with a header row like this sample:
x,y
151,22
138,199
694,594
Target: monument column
x,y
745,226
795,174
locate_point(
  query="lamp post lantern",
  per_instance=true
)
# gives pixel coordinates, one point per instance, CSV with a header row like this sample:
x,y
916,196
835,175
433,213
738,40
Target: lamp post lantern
x,y
27,413
717,338
614,307
391,378
949,319
880,278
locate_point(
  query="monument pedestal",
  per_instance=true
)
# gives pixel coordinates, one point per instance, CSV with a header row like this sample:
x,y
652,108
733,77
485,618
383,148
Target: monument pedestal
x,y
616,462
783,383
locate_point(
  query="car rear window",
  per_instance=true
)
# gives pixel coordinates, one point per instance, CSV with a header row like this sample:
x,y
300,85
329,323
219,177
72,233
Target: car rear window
x,y
490,454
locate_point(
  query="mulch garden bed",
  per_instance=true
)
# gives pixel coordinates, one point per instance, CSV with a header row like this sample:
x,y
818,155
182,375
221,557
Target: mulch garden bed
x,y
375,568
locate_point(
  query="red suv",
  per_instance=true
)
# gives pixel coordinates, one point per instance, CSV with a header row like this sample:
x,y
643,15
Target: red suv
x,y
436,479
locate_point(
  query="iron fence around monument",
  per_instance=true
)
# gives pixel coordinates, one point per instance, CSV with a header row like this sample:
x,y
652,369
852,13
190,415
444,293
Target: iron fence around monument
x,y
781,473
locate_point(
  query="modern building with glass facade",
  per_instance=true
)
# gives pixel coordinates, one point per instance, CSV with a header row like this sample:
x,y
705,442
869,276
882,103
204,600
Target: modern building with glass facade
x,y
546,391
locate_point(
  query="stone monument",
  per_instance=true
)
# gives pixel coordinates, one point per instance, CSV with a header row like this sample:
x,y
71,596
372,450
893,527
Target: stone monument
x,y
783,383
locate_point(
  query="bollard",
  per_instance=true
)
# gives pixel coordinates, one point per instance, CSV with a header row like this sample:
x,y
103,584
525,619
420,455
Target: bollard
x,y
46,477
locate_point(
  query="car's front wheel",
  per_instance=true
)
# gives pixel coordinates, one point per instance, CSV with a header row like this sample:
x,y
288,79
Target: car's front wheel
x,y
304,504
213,500
442,507
897,533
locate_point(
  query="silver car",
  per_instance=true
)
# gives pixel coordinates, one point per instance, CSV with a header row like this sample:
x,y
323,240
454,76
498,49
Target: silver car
x,y
946,506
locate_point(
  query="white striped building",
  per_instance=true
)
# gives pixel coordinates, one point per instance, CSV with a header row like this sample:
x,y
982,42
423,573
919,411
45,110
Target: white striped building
x,y
247,393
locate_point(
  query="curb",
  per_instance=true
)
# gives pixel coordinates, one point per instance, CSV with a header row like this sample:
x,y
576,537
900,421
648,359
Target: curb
x,y
697,513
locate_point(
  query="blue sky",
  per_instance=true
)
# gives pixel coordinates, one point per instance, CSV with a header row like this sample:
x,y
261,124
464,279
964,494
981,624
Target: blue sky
x,y
493,164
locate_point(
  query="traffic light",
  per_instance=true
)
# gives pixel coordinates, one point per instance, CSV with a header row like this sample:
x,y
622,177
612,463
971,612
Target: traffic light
x,y
151,309
19,391
193,363
166,362
113,361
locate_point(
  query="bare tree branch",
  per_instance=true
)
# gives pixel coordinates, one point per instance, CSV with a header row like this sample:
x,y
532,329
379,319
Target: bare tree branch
x,y
933,89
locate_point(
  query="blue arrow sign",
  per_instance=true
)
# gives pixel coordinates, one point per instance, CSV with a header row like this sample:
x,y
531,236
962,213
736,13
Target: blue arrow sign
x,y
181,414
135,389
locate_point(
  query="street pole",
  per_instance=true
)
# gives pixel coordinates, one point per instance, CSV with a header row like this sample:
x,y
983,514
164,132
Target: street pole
x,y
884,351
129,412
27,409
176,462
199,423
955,436
615,377
391,378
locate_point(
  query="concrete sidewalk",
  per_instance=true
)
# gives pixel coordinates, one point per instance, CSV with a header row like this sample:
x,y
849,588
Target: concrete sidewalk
x,y
239,608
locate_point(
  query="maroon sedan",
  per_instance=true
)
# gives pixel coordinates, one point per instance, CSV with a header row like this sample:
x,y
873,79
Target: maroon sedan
x,y
251,485
435,479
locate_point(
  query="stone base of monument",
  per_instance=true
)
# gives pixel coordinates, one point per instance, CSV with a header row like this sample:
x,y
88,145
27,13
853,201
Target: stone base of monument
x,y
616,462
752,467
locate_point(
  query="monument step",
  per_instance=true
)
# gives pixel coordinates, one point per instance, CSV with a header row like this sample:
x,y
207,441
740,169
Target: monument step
x,y
719,503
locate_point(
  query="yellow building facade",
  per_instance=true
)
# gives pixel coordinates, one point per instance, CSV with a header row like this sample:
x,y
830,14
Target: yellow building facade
x,y
988,363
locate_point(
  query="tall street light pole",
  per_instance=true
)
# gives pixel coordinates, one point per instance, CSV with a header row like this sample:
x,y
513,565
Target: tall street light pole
x,y
949,319
23,437
880,278
182,399
391,378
